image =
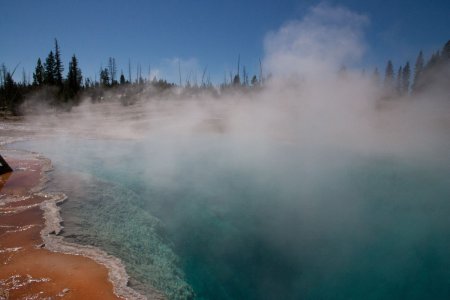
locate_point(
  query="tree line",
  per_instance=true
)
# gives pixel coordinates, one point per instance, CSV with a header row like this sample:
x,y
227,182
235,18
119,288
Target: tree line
x,y
425,74
50,74
65,90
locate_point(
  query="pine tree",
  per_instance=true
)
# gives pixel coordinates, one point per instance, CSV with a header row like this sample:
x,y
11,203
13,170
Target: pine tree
x,y
399,86
58,69
122,78
49,67
405,79
104,77
376,77
74,77
38,75
389,76
418,70
11,94
434,61
446,52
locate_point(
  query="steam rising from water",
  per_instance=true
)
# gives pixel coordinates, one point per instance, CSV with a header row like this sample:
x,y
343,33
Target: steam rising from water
x,y
325,40
305,102
312,187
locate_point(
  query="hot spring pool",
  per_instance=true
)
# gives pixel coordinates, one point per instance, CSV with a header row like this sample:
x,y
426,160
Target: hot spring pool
x,y
207,219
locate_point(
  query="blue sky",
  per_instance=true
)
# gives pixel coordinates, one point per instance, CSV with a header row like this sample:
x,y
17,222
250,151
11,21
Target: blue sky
x,y
200,33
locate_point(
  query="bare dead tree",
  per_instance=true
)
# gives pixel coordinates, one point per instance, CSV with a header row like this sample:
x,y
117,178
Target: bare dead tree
x,y
112,68
179,71
149,73
203,75
260,72
244,76
129,70
239,68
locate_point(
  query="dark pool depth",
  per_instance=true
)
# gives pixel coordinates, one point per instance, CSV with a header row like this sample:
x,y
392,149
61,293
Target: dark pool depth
x,y
208,220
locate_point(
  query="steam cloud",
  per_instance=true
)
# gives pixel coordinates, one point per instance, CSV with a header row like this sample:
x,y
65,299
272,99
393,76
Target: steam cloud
x,y
325,40
306,100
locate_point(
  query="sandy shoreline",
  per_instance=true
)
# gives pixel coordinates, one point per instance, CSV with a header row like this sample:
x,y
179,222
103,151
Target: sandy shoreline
x,y
36,261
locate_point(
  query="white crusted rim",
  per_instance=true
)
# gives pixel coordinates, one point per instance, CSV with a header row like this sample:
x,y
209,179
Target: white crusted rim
x,y
117,274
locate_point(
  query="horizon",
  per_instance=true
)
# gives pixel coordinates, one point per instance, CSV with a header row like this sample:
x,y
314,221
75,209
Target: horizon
x,y
143,35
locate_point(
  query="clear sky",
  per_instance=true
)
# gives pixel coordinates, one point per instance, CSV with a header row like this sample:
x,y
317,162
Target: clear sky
x,y
199,33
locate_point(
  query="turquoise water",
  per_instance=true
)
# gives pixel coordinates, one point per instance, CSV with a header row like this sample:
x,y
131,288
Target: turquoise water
x,y
206,218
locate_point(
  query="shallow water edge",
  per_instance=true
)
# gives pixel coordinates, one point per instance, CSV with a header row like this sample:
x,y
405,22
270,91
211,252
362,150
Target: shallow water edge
x,y
117,274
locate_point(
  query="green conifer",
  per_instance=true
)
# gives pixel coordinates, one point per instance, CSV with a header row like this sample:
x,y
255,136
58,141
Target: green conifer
x,y
49,68
38,75
406,75
58,68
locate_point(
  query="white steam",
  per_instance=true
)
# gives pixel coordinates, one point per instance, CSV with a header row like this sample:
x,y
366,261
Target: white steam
x,y
322,42
307,101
